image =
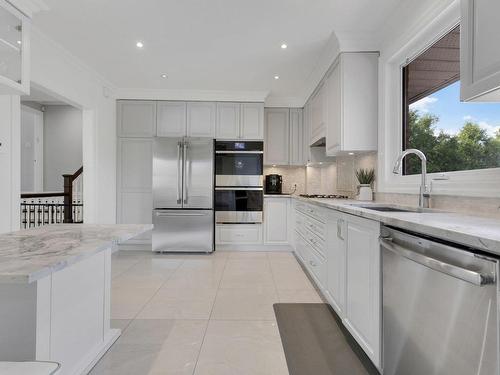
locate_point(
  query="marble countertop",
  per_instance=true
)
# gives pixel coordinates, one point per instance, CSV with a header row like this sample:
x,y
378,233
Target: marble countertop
x,y
472,231
284,195
29,255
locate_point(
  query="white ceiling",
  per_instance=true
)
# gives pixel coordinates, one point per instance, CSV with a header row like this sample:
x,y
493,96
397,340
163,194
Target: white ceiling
x,y
227,45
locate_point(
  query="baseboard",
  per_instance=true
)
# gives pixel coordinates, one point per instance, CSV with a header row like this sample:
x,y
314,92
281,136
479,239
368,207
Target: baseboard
x,y
259,247
96,354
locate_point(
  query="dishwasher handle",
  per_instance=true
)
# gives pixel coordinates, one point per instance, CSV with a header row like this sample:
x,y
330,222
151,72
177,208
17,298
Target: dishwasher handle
x,y
458,272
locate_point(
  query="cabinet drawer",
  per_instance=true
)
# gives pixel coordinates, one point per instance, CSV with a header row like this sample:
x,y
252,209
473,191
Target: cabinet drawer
x,y
317,265
240,234
315,226
316,212
317,243
301,247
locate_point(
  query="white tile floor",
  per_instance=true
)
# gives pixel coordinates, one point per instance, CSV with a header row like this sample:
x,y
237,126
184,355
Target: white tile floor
x,y
201,314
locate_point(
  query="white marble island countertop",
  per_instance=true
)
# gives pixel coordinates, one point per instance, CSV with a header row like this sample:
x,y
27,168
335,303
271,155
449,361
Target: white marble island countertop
x,y
472,231
29,255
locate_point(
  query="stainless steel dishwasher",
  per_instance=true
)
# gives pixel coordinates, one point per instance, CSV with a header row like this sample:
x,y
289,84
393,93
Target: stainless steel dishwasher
x,y
440,307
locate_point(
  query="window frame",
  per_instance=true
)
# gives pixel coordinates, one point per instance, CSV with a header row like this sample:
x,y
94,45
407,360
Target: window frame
x,y
474,183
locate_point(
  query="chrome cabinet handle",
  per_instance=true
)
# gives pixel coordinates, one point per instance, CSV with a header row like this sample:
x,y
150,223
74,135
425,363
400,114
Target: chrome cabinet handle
x,y
179,173
452,270
339,228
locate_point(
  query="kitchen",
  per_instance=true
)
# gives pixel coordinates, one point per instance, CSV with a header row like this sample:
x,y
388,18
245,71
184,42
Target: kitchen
x,y
335,211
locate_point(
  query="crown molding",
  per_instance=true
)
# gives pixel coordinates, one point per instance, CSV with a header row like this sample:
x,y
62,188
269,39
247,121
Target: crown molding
x,y
192,95
282,101
328,56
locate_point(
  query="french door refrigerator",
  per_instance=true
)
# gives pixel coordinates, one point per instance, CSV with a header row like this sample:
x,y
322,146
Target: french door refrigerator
x,y
183,195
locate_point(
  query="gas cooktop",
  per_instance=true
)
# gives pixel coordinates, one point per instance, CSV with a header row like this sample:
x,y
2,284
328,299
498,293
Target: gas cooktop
x,y
328,196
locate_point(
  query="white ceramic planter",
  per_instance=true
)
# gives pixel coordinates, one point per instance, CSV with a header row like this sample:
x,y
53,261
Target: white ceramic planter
x,y
365,193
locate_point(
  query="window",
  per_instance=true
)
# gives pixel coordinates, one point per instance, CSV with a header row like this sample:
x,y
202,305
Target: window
x,y
454,135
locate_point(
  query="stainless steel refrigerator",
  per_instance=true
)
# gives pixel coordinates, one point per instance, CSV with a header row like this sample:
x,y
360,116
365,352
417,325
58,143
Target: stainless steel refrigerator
x,y
183,195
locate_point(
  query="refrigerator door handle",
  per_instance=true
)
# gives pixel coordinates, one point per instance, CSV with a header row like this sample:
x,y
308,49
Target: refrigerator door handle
x,y
172,214
179,175
186,175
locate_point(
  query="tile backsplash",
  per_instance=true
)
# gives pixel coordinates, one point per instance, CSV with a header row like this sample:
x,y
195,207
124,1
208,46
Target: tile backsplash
x,y
328,178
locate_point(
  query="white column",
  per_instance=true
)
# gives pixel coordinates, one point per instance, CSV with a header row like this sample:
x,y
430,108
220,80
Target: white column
x,y
10,162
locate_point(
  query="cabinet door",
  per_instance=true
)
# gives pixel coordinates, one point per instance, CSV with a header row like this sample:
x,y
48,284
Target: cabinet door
x,y
334,113
171,119
479,60
136,164
201,119
228,121
277,141
135,200
136,118
363,284
276,221
296,137
336,261
318,115
252,120
136,208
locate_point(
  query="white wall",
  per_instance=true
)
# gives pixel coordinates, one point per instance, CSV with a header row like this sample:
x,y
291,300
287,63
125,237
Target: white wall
x,y
10,162
63,76
62,150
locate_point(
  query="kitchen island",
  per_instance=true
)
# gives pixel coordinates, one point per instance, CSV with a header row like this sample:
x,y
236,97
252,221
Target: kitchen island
x,y
55,284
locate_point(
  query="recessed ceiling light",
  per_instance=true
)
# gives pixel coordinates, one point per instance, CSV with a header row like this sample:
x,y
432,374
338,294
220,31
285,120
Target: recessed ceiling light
x,y
18,42
139,44
276,77
163,76
284,46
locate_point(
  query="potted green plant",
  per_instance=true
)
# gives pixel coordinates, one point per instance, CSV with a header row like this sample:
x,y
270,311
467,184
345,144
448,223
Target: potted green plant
x,y
365,178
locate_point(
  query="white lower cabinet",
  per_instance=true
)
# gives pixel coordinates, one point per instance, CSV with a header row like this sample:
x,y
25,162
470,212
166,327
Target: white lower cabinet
x,y
336,260
276,221
238,234
341,253
363,279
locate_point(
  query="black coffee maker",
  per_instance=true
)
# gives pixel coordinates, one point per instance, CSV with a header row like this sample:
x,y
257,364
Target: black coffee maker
x,y
274,184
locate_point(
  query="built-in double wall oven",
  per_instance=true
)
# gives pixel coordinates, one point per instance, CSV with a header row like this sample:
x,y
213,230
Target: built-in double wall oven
x,y
239,189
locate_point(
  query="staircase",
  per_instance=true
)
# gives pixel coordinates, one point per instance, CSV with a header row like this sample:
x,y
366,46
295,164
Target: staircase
x,y
58,207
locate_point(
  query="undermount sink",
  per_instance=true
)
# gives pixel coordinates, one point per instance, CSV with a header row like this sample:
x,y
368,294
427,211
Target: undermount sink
x,y
392,208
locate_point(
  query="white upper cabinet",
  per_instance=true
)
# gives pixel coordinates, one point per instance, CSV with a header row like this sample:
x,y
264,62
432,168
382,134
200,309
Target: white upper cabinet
x,y
201,119
318,115
136,118
228,121
14,51
352,104
171,119
277,138
252,121
479,52
297,150
240,121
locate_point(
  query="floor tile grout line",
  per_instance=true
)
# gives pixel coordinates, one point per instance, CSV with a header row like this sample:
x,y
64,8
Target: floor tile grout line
x,y
274,279
210,315
157,290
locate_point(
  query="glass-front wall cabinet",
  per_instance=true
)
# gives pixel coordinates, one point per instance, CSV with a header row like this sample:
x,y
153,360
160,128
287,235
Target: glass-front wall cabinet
x,y
14,50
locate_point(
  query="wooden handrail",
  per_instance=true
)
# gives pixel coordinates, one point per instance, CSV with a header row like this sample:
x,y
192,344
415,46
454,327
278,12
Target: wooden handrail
x,y
68,193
